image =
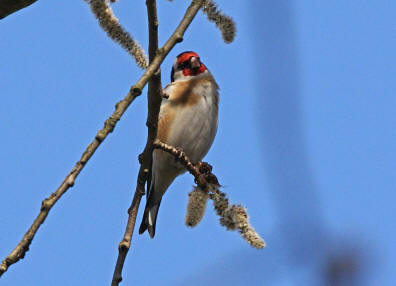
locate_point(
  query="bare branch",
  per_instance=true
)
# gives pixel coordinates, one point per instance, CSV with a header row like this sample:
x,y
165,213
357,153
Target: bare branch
x,y
234,217
48,203
116,32
154,103
183,159
8,7
23,246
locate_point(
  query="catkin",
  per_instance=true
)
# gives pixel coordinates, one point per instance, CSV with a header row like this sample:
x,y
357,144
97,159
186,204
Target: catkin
x,y
110,24
196,206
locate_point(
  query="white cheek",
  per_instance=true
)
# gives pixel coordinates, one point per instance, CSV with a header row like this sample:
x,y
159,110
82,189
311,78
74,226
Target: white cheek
x,y
180,76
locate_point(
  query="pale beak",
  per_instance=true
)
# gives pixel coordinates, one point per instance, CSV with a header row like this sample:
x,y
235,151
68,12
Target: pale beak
x,y
195,63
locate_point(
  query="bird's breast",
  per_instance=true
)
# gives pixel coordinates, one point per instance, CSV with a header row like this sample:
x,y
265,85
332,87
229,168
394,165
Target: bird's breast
x,y
189,118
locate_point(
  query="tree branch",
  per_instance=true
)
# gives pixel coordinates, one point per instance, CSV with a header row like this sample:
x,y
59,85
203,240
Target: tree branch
x,y
46,205
8,7
154,104
23,246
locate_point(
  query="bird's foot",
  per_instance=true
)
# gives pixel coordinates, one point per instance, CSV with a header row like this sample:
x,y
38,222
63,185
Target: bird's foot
x,y
204,168
164,95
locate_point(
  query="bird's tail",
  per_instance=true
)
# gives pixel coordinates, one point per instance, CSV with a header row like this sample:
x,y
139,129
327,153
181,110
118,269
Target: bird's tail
x,y
158,185
149,217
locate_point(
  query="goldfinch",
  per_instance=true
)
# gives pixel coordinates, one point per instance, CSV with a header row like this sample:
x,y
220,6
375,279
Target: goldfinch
x,y
187,120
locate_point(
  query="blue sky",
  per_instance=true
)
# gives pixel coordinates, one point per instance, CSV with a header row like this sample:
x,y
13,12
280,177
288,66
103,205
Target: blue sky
x,y
306,142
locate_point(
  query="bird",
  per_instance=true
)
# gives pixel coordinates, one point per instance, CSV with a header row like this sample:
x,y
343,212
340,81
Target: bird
x,y
188,120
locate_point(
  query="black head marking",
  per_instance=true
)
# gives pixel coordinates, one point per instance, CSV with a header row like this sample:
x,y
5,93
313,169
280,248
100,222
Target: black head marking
x,y
173,74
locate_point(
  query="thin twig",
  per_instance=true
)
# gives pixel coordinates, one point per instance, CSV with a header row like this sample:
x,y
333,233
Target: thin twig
x,y
202,172
46,205
154,102
180,156
23,246
233,217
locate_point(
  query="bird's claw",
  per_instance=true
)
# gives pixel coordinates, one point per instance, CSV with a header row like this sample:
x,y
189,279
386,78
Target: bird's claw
x,y
165,95
205,168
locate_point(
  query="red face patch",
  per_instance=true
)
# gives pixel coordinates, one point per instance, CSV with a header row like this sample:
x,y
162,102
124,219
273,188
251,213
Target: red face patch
x,y
192,72
188,71
185,57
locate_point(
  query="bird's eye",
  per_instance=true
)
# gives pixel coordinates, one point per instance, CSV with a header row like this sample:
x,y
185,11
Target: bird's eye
x,y
184,65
